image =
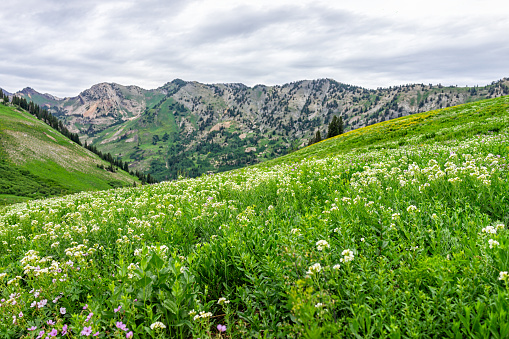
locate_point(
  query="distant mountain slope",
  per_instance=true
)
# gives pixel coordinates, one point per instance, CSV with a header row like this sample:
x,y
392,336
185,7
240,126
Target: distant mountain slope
x,y
485,117
193,128
36,161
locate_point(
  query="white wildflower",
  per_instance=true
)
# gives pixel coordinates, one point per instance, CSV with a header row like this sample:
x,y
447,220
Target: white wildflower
x,y
493,243
157,325
222,301
347,256
315,268
321,244
489,230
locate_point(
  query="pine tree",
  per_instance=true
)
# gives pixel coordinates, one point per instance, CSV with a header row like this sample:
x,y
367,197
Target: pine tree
x,y
318,136
341,126
334,127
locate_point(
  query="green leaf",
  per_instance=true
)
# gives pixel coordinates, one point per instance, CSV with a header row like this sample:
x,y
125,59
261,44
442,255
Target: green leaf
x,y
145,293
156,262
170,306
144,281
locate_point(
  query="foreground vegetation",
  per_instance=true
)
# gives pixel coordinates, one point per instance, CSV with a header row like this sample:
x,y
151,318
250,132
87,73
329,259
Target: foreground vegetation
x,y
404,238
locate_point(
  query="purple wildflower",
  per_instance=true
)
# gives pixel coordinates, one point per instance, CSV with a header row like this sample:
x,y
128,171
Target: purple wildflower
x,y
86,330
121,325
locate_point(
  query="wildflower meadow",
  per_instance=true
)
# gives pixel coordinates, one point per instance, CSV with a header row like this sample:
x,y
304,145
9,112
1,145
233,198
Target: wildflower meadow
x,y
405,240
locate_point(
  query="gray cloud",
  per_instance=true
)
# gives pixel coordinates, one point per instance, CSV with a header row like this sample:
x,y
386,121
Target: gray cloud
x,y
65,47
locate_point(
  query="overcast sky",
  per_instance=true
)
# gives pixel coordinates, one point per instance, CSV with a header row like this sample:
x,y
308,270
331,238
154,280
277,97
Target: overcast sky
x,y
63,47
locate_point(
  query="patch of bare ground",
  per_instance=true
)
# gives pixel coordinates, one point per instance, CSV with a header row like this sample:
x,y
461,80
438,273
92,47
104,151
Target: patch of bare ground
x,y
25,148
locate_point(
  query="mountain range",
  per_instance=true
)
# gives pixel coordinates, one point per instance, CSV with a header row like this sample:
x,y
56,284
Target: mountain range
x,y
190,128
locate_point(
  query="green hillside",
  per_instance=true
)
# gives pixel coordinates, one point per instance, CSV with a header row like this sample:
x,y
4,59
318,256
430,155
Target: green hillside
x,y
437,126
397,230
36,161
163,141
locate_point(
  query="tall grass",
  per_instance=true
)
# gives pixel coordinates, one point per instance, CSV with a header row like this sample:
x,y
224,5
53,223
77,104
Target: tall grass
x,y
388,241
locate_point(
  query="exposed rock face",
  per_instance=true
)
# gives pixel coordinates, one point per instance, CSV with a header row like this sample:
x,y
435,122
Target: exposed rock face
x,y
110,99
99,106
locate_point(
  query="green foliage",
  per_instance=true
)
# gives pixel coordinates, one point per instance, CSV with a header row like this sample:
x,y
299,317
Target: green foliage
x,y
335,127
403,241
38,162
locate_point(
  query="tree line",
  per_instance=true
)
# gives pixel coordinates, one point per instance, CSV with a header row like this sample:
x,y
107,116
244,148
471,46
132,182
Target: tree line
x,y
336,127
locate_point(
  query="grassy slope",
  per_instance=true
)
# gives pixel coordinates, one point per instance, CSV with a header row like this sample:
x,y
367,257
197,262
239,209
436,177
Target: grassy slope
x,y
422,128
36,161
417,219
150,124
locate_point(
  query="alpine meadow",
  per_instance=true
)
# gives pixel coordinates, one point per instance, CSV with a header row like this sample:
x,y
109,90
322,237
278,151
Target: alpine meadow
x,y
393,230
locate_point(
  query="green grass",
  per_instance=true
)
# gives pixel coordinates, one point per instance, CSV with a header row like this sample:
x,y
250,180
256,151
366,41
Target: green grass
x,y
422,128
367,235
36,161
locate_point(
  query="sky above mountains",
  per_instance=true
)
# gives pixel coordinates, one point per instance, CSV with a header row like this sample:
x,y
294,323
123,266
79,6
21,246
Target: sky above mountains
x,y
63,47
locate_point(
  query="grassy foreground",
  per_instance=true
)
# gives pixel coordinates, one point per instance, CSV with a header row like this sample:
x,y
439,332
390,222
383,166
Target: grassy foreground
x,y
405,237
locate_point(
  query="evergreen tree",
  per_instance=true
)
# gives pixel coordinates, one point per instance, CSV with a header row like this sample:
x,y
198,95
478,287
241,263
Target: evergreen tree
x,y
341,127
318,137
333,129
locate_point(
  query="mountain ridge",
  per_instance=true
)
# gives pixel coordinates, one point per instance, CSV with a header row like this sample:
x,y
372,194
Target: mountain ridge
x,y
191,127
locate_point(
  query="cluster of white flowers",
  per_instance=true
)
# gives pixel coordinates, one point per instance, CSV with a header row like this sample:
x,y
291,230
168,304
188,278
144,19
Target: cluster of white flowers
x,y
347,256
223,301
295,231
412,209
503,275
161,251
79,251
493,243
423,186
315,268
130,270
201,315
321,244
489,230
157,325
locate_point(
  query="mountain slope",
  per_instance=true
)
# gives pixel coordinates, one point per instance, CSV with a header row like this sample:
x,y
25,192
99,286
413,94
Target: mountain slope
x,y
193,128
485,117
36,161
